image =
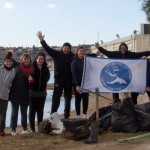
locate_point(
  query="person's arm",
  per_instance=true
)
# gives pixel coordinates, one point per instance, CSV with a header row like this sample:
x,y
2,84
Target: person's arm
x,y
141,54
74,73
51,52
104,51
48,75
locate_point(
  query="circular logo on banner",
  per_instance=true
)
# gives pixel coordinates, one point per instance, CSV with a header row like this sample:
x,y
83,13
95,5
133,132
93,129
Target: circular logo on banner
x,y
115,76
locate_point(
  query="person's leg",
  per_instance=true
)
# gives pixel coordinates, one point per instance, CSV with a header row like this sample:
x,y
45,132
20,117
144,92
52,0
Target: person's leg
x,y
14,116
77,103
40,108
148,93
85,103
32,111
67,97
115,97
58,89
23,110
3,109
134,97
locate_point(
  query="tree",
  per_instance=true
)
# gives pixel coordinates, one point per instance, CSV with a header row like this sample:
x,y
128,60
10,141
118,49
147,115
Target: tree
x,y
146,8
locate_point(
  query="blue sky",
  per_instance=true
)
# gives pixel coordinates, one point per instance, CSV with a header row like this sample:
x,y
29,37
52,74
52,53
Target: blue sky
x,y
74,21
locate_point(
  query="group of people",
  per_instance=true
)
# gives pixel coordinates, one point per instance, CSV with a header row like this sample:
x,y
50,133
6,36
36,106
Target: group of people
x,y
24,83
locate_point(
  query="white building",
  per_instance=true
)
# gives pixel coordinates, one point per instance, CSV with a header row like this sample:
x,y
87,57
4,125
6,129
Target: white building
x,y
137,42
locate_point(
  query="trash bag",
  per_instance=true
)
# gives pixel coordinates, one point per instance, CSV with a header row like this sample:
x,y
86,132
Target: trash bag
x,y
104,118
45,127
123,117
81,132
76,128
143,116
56,123
73,123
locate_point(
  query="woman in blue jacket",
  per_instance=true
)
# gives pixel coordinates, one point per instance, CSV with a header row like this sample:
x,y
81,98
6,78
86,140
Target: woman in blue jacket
x,y
77,71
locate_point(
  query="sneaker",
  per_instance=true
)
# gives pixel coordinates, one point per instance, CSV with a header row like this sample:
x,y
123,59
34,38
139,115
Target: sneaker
x,y
32,131
78,116
2,133
25,131
13,133
84,116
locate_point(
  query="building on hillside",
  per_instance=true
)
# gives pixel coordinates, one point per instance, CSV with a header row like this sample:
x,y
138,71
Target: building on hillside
x,y
137,42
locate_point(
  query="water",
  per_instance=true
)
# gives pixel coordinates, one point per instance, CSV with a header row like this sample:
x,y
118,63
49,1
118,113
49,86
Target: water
x,y
47,107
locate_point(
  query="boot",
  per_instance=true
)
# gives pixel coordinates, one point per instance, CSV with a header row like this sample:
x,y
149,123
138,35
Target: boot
x,y
94,133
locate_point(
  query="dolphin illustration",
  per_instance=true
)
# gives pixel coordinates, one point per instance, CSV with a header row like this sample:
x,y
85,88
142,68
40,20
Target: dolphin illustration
x,y
119,80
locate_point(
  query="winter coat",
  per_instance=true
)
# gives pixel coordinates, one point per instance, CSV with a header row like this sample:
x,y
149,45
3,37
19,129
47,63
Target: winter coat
x,y
62,63
118,54
19,91
6,79
77,71
41,77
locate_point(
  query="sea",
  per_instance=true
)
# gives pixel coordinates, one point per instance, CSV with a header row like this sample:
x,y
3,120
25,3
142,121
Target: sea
x,y
47,107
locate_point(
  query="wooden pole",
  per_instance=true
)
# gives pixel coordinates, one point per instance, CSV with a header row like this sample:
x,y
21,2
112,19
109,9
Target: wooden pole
x,y
97,104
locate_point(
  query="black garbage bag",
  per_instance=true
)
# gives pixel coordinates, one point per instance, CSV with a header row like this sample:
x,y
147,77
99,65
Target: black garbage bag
x,y
123,118
104,117
143,116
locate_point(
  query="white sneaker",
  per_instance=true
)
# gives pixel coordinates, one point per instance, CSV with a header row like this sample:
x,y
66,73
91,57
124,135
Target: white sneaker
x,y
13,133
84,116
25,131
78,116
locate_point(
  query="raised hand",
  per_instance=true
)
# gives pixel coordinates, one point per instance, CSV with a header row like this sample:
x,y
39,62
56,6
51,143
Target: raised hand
x,y
40,36
97,45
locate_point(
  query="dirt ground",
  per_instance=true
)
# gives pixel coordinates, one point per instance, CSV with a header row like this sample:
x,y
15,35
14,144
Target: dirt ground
x,y
107,141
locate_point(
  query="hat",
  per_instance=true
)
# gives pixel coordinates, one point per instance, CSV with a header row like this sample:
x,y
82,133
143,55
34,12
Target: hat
x,y
67,44
9,56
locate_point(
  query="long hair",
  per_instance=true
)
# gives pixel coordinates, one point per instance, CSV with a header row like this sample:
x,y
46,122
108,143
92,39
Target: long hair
x,y
25,55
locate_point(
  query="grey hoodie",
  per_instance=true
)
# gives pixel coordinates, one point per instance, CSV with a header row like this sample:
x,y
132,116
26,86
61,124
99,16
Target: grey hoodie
x,y
6,78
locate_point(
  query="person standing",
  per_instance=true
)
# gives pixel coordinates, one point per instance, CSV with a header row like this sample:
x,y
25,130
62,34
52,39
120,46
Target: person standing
x,y
38,91
77,72
7,74
62,74
122,53
19,93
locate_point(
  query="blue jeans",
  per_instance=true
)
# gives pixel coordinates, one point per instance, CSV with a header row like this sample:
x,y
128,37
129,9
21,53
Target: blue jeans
x,y
14,116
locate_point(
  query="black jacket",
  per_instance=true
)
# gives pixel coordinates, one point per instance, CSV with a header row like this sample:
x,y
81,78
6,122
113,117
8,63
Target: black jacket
x,y
77,71
41,77
62,62
118,54
19,91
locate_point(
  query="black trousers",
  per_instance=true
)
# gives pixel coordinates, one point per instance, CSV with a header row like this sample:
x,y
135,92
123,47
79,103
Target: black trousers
x,y
61,86
3,109
115,96
85,101
134,96
36,105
